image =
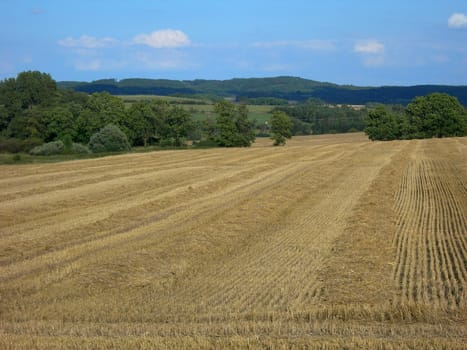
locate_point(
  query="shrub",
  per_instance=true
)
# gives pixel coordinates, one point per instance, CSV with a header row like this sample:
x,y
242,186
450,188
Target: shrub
x,y
109,139
58,147
172,142
13,145
48,149
77,148
68,143
208,143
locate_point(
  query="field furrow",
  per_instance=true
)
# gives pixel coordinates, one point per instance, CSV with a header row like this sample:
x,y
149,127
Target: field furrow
x,y
329,242
431,205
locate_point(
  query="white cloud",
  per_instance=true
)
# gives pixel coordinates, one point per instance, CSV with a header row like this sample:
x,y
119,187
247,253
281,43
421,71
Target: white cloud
x,y
371,51
369,47
166,38
457,20
85,41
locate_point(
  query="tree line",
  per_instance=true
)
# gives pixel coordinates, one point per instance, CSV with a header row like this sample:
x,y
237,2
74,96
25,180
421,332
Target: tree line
x,y
433,115
316,117
279,88
35,113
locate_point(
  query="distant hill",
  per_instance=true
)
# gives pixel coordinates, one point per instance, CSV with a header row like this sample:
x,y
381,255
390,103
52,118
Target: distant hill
x,y
289,88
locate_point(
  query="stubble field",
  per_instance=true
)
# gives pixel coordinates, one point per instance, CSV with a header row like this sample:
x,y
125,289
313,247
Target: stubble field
x,y
330,242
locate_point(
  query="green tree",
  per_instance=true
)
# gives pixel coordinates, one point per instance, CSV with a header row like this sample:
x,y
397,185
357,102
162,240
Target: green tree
x,y
4,118
226,130
320,118
382,125
157,121
436,115
109,139
56,122
26,124
100,110
176,126
9,101
233,129
301,128
141,123
245,130
35,88
29,89
281,128
67,143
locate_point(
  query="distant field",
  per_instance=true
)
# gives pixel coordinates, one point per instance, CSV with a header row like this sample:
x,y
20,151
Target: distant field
x,y
135,98
203,109
331,242
258,113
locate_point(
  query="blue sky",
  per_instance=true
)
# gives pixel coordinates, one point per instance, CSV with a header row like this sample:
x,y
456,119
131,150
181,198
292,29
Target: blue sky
x,y
355,42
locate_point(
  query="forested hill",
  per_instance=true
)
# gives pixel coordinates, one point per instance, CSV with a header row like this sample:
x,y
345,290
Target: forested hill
x,y
289,88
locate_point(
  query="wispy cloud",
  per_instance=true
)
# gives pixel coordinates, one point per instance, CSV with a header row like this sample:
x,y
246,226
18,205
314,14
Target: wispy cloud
x,y
369,47
166,38
37,11
317,45
89,53
167,61
6,66
276,67
270,44
91,65
374,61
441,58
87,42
457,20
371,52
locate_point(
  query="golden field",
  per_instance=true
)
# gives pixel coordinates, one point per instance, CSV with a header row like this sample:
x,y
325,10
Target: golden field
x,y
330,242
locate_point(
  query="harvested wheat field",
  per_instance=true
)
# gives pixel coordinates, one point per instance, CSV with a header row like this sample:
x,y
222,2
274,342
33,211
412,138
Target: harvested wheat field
x,y
330,242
